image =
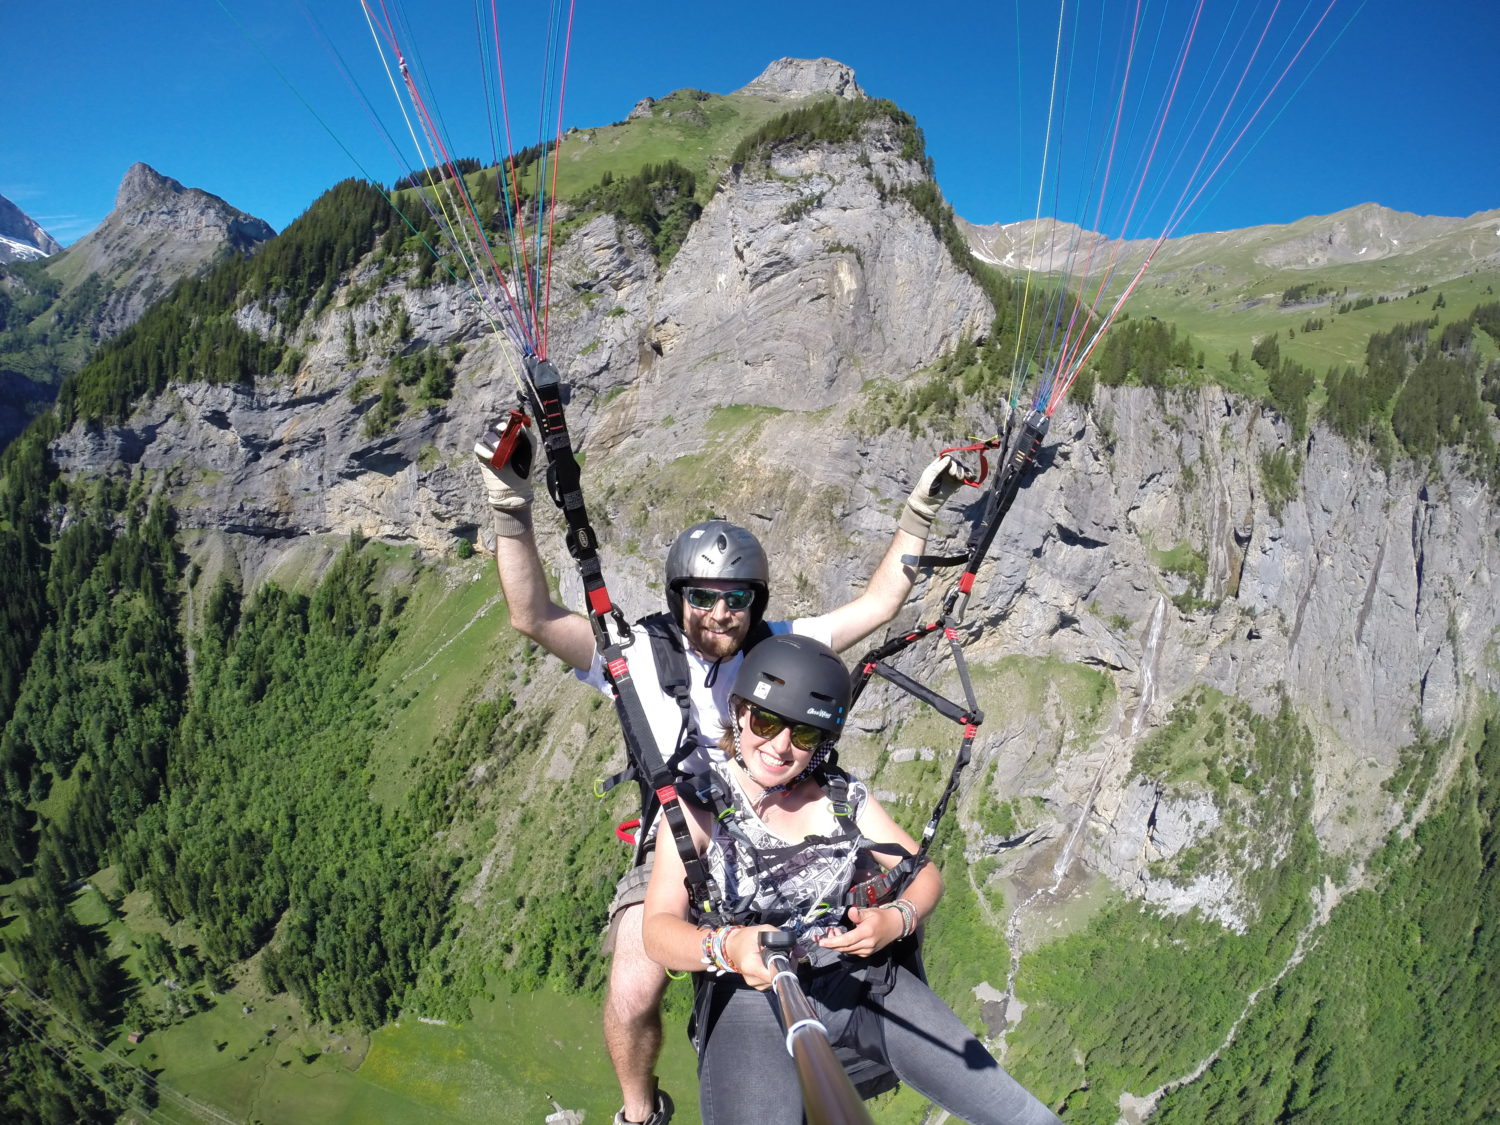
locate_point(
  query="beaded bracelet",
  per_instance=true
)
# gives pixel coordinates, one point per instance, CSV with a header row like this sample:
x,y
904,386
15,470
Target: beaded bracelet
x,y
716,950
724,957
908,914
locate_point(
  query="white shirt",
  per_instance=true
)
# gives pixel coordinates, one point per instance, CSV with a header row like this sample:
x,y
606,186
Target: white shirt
x,y
710,703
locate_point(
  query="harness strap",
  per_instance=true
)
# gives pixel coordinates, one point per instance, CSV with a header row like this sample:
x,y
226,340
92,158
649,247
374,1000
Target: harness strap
x,y
998,501
669,651
612,633
711,796
1002,496
925,562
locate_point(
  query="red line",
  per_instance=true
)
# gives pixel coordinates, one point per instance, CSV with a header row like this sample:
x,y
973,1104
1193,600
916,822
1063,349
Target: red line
x,y
434,137
552,202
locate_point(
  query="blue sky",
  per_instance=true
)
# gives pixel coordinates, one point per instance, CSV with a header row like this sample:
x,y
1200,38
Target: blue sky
x,y
1394,103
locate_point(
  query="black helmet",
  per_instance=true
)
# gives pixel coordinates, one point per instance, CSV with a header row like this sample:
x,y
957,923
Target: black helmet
x,y
797,677
718,549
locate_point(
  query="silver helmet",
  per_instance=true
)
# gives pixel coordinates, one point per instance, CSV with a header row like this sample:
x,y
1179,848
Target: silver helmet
x,y
718,549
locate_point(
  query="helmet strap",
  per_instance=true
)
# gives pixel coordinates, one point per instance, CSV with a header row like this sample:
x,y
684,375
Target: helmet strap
x,y
709,681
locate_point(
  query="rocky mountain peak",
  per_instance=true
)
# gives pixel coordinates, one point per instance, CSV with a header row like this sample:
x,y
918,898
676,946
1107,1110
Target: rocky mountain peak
x,y
805,78
147,198
158,232
143,183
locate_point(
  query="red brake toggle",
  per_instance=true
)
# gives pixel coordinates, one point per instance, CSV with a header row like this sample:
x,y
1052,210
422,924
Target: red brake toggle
x,y
510,429
984,465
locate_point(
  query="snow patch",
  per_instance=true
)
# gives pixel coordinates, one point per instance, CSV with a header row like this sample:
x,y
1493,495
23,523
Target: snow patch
x,y
14,250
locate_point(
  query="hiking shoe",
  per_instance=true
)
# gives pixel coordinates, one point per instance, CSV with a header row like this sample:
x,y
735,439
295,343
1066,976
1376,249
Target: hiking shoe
x,y
661,1112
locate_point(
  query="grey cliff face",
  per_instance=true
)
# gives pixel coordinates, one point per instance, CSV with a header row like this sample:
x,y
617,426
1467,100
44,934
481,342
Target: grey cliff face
x,y
732,382
1368,600
857,289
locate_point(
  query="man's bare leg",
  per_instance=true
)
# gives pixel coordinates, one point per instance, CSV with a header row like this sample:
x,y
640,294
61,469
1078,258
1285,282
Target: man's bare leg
x,y
632,1015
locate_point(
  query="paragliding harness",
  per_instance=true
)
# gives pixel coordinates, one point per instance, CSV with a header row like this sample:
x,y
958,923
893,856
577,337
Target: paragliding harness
x,y
669,654
870,977
612,636
876,662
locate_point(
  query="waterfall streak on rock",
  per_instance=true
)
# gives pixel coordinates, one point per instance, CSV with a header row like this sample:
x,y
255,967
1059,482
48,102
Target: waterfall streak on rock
x,y
1152,651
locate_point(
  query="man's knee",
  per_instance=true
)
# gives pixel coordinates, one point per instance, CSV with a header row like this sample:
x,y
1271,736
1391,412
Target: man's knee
x,y
636,983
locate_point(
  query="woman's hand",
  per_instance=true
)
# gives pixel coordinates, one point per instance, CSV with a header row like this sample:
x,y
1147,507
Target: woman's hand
x,y
874,929
743,948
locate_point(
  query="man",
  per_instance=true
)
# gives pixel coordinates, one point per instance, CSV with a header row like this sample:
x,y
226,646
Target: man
x,y
718,586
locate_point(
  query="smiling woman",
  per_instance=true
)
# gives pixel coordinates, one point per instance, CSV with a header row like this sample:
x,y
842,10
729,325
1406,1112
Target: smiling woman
x,y
791,842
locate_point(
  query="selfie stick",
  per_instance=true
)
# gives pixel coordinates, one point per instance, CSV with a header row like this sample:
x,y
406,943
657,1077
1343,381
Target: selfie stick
x,y
828,1097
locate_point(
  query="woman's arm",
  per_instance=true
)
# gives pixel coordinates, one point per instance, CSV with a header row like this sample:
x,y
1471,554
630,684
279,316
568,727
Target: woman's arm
x,y
671,940
876,927
676,944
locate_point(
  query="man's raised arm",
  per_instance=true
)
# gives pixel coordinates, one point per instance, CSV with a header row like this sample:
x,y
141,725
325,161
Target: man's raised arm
x,y
533,613
892,579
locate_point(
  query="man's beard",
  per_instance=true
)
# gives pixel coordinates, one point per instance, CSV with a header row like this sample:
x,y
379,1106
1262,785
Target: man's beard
x,y
713,645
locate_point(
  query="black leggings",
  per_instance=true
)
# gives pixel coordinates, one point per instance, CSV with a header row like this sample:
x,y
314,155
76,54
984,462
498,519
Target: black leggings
x,y
746,1074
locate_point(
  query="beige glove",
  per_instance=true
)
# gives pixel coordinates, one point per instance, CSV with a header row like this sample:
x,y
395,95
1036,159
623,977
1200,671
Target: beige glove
x,y
937,482
508,487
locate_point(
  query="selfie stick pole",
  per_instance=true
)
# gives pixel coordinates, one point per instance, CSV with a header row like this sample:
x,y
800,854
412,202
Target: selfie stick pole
x,y
828,1097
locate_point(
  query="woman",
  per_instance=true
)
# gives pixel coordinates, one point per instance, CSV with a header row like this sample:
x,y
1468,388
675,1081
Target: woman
x,y
781,858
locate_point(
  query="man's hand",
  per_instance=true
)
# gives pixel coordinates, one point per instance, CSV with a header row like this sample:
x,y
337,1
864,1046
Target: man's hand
x,y
507,486
937,482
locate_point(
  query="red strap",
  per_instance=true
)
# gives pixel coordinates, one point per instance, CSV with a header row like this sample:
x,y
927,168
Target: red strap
x,y
984,465
510,431
622,830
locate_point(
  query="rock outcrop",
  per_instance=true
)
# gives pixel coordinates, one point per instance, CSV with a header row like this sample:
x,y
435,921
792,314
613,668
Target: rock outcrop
x,y
794,79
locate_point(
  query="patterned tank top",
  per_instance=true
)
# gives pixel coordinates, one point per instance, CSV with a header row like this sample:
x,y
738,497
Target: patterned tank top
x,y
798,885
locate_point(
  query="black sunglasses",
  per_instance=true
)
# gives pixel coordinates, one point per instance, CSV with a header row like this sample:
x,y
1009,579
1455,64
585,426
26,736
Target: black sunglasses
x,y
768,724
701,597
